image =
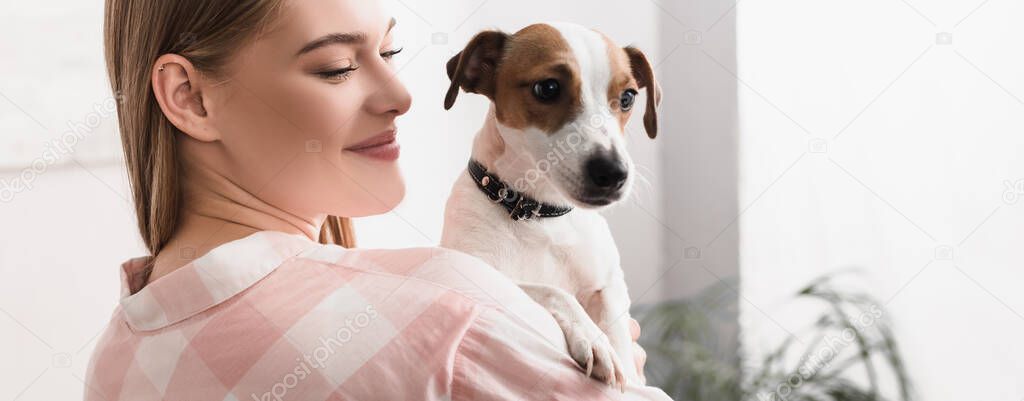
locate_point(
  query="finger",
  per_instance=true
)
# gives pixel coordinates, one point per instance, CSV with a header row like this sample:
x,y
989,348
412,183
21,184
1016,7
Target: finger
x,y
634,329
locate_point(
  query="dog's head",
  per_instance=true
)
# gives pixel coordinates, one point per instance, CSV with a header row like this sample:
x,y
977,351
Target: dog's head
x,y
562,94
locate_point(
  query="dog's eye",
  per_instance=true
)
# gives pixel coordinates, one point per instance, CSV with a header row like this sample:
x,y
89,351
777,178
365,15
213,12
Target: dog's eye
x,y
547,90
627,99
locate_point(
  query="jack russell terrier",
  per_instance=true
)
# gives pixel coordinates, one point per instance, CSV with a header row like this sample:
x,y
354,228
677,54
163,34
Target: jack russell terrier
x,y
550,154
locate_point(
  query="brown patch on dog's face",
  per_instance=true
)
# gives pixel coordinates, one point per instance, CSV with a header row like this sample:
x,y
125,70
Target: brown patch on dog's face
x,y
535,54
621,80
505,68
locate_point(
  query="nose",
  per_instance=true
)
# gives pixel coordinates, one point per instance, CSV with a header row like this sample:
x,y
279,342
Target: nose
x,y
606,173
391,98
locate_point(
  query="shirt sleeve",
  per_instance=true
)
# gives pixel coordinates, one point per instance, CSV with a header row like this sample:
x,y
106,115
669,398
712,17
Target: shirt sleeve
x,y
500,358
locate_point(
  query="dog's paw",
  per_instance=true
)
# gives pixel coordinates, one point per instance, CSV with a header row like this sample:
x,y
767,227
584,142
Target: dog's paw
x,y
590,348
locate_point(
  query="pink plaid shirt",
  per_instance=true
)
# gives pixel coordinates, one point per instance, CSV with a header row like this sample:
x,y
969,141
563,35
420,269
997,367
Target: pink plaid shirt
x,y
276,317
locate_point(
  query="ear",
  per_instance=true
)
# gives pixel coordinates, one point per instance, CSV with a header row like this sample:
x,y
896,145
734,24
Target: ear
x,y
178,88
474,68
644,75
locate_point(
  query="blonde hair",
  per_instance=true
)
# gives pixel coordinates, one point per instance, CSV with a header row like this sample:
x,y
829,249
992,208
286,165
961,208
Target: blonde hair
x,y
206,32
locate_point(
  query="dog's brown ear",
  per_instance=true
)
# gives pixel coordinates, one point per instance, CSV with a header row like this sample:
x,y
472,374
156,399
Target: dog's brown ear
x,y
644,75
474,68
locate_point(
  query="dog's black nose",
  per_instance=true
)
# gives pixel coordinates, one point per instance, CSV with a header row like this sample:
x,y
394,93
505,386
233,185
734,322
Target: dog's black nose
x,y
606,173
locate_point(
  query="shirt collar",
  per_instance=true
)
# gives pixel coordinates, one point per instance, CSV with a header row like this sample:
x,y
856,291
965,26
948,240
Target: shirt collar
x,y
205,282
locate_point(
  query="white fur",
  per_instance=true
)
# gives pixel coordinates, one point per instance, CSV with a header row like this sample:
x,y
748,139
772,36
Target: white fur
x,y
568,264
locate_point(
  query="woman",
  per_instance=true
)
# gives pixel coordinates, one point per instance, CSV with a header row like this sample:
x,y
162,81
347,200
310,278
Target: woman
x,y
248,127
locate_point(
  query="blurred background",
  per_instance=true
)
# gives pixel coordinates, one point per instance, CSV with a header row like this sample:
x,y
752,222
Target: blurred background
x,y
831,211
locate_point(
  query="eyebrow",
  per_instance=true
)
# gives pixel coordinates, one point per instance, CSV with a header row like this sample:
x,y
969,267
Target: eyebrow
x,y
558,67
347,38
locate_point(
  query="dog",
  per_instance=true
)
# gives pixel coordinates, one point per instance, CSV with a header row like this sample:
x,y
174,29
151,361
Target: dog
x,y
550,154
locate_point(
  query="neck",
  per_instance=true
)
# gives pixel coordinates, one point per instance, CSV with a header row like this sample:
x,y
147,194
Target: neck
x,y
496,148
211,195
216,211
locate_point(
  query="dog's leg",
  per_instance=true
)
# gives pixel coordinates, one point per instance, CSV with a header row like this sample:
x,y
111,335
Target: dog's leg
x,y
610,309
588,345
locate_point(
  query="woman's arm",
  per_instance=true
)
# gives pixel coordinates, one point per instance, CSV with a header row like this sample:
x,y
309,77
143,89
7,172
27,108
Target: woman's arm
x,y
500,359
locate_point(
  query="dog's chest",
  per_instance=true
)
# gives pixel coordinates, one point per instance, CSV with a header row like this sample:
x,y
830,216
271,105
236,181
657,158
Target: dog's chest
x,y
575,252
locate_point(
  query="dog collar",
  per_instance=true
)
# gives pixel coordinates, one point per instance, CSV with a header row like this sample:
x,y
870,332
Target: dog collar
x,y
519,206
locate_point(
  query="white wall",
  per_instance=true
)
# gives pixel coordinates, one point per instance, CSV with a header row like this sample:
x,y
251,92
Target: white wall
x,y
54,299
917,140
59,251
63,238
699,159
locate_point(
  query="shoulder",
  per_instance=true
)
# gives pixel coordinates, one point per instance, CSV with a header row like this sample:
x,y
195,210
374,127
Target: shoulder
x,y
400,316
415,275
426,267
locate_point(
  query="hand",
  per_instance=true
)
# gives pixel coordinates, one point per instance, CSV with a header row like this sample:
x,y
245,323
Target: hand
x,y
638,351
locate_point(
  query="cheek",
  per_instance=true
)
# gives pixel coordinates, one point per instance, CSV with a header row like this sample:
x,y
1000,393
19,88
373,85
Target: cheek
x,y
284,114
328,179
284,139
511,109
614,106
623,119
319,110
258,139
314,109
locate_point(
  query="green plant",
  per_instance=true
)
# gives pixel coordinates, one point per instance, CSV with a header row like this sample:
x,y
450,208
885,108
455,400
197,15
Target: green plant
x,y
852,334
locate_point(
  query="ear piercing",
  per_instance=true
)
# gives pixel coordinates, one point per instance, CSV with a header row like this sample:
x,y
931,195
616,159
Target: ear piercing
x,y
161,69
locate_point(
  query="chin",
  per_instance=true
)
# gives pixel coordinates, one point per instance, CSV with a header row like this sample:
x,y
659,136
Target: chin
x,y
378,198
596,199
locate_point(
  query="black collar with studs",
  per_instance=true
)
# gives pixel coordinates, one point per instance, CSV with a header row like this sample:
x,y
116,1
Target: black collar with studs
x,y
518,205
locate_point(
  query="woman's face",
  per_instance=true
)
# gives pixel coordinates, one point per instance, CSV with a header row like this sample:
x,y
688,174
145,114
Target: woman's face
x,y
303,105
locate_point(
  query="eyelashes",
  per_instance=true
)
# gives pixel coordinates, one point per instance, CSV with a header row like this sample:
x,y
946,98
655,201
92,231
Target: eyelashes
x,y
342,74
388,55
337,75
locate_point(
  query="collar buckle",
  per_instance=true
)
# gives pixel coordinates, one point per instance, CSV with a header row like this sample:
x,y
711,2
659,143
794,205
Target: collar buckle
x,y
525,209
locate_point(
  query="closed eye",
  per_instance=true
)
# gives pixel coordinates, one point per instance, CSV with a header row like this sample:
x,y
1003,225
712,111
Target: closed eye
x,y
342,74
388,55
337,75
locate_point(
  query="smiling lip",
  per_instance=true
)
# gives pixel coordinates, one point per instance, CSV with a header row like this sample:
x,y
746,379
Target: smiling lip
x,y
382,146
